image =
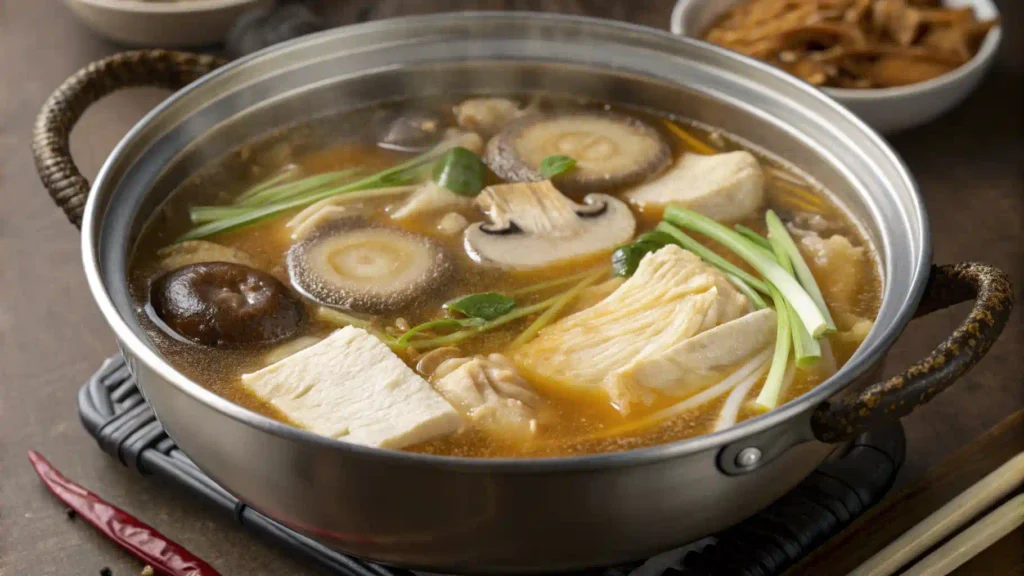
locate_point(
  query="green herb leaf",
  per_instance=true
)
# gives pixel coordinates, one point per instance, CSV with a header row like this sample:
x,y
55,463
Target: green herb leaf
x,y
554,165
626,259
460,171
486,305
656,237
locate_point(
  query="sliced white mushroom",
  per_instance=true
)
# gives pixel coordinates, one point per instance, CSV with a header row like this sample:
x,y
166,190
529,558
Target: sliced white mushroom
x,y
487,115
727,186
430,197
533,225
611,150
352,266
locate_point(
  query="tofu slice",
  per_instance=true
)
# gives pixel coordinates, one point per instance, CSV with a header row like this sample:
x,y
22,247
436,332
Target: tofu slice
x,y
352,387
704,359
728,186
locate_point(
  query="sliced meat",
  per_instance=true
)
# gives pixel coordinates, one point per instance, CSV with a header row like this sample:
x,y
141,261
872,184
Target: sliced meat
x,y
727,186
353,388
593,294
672,297
838,266
430,198
704,359
492,396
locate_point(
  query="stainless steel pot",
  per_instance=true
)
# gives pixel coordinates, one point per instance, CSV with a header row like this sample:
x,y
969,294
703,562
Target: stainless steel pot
x,y
471,515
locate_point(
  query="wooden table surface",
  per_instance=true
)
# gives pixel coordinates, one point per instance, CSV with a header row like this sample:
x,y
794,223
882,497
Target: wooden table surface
x,y
968,166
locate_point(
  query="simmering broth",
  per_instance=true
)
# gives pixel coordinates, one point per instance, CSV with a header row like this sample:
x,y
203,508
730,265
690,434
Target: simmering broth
x,y
445,255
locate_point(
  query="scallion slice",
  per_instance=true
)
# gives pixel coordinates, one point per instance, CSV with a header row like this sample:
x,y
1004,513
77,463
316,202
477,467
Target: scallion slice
x,y
778,232
759,259
711,257
768,398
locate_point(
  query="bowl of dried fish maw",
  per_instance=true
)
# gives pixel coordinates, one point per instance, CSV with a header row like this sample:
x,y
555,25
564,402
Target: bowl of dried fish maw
x,y
895,63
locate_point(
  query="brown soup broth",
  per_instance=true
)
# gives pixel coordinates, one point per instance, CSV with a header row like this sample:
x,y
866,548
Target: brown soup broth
x,y
581,425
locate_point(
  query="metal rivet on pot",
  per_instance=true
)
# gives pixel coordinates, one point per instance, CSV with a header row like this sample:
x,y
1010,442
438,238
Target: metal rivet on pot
x,y
748,457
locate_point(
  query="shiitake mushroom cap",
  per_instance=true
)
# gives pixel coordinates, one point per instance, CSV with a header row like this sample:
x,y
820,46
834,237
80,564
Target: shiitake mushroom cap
x,y
352,265
611,150
225,304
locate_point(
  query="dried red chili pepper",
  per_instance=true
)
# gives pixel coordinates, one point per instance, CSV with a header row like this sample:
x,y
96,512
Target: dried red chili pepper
x,y
165,556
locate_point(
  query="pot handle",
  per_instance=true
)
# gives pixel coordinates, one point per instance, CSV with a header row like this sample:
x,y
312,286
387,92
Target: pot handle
x,y
51,137
990,288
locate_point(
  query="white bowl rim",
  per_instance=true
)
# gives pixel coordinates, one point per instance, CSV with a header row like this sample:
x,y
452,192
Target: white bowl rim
x,y
174,7
985,9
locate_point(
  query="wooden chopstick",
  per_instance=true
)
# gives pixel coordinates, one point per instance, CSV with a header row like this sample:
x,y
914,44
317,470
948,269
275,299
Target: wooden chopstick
x,y
946,520
968,543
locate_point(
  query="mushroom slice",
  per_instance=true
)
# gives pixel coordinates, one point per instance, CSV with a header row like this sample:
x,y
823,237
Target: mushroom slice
x,y
355,267
725,186
532,225
611,150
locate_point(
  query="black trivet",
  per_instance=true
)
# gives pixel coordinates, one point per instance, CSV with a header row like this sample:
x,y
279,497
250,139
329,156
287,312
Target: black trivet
x,y
840,490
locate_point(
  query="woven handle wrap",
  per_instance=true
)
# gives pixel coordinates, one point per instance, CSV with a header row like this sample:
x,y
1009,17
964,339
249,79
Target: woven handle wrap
x,y
898,396
51,138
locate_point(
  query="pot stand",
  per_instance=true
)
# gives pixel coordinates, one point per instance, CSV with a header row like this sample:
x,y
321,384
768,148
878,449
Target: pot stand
x,y
855,478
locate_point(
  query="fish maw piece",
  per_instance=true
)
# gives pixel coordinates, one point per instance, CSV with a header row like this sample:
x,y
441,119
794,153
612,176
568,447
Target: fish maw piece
x,y
704,359
727,186
665,302
352,387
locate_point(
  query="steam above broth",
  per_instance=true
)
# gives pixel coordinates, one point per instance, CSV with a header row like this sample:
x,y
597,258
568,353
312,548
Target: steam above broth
x,y
506,277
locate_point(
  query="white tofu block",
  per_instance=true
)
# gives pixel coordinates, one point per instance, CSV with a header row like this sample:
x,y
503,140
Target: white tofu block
x,y
728,186
352,387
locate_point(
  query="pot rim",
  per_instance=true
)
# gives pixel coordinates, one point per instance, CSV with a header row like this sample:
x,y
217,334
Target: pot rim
x,y
143,352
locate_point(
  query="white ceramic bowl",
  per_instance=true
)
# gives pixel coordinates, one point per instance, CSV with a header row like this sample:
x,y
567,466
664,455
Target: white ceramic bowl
x,y
887,110
182,23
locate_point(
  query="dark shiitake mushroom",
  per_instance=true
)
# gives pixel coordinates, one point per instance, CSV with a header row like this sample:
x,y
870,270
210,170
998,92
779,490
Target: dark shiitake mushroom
x,y
360,268
611,150
407,129
226,304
